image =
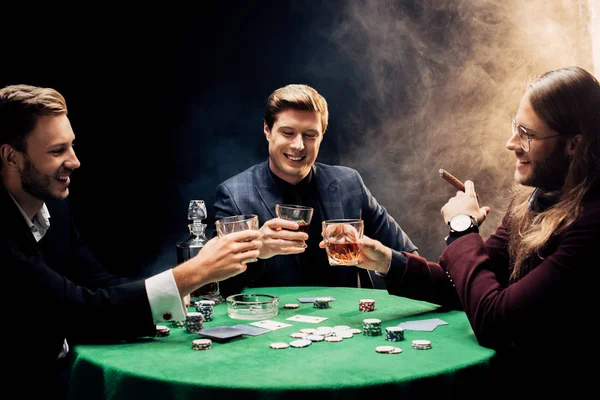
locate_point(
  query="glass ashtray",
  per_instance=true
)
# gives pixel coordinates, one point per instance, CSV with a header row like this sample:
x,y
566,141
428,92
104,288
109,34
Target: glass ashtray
x,y
252,306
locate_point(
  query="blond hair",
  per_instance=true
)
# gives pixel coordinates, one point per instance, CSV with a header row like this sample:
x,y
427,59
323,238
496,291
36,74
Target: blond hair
x,y
298,97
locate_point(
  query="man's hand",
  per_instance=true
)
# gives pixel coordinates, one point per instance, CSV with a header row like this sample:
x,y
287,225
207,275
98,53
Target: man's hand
x,y
280,236
465,203
219,259
374,255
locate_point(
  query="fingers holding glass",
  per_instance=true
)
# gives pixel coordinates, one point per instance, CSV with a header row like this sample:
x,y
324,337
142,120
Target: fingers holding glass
x,y
343,241
299,214
237,223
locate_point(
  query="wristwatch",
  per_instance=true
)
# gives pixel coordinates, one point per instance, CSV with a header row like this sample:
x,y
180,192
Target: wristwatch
x,y
460,225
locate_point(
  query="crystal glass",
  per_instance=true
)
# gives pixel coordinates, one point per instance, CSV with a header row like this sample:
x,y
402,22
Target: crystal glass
x,y
342,240
237,223
292,212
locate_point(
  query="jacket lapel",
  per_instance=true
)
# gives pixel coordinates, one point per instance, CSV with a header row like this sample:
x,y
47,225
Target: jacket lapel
x,y
265,187
13,222
329,192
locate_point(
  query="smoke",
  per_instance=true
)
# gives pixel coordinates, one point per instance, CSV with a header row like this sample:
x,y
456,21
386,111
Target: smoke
x,y
435,83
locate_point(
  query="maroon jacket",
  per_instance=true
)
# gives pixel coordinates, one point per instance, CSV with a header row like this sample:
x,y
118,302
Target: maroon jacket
x,y
544,319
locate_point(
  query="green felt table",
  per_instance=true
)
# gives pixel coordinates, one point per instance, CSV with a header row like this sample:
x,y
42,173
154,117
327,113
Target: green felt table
x,y
167,368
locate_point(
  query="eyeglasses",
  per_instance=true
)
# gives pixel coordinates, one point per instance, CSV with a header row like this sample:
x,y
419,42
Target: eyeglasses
x,y
525,138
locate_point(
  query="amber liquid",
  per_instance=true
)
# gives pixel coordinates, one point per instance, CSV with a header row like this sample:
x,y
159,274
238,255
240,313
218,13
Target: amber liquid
x,y
343,253
302,226
207,290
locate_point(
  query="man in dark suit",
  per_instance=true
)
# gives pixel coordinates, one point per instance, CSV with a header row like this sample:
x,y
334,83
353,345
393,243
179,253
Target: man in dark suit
x,y
295,122
41,253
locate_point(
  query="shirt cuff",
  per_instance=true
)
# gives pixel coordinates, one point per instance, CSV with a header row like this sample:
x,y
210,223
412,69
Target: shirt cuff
x,y
163,296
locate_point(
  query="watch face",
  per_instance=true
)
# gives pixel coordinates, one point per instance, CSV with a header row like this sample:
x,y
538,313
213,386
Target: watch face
x,y
460,222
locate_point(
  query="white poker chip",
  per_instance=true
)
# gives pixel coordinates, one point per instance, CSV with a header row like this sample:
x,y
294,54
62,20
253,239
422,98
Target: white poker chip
x,y
309,331
344,334
397,350
315,338
384,349
372,321
333,339
300,343
355,331
279,345
324,331
421,343
291,306
341,327
299,335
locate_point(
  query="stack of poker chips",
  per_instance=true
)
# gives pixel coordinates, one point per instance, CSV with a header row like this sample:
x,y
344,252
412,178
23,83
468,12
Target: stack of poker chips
x,y
201,344
162,331
321,302
194,322
366,305
421,344
394,333
177,324
205,307
372,327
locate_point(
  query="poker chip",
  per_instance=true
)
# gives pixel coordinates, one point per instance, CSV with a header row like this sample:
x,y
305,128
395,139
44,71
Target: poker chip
x,y
397,350
384,349
333,338
291,306
315,338
201,344
308,330
300,343
162,331
366,305
344,334
372,327
355,331
299,335
279,345
421,344
394,333
321,302
341,327
324,331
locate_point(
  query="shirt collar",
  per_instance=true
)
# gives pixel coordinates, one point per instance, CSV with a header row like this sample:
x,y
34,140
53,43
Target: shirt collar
x,y
42,217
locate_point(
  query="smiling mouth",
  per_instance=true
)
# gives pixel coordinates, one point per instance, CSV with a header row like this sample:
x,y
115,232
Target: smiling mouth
x,y
294,158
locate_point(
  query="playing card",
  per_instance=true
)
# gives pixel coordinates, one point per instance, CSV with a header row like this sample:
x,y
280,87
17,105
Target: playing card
x,y
306,318
425,325
250,330
270,325
312,299
221,332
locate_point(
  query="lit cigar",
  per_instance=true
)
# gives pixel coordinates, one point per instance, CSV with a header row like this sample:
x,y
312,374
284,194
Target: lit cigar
x,y
448,177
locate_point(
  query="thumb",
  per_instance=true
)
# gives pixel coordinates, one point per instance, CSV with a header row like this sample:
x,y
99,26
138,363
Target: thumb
x,y
486,210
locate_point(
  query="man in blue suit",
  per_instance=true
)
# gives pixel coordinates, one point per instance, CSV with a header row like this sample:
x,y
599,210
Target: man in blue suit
x,y
295,122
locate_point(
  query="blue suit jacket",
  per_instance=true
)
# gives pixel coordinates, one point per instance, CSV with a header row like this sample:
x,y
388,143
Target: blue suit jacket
x,y
342,193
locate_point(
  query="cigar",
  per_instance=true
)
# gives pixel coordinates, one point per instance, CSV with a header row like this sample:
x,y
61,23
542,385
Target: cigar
x,y
448,177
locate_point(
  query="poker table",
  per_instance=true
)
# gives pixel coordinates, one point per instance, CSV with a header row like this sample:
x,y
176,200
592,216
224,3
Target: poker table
x,y
248,368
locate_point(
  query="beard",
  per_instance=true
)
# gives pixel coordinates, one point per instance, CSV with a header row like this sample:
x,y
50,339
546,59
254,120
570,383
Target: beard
x,y
550,173
35,183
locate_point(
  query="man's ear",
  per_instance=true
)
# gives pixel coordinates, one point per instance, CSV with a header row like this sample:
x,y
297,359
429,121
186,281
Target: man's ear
x,y
8,155
573,143
266,130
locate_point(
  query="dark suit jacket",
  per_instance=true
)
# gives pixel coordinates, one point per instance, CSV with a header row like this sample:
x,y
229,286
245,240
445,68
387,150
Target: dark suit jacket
x,y
57,289
342,194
